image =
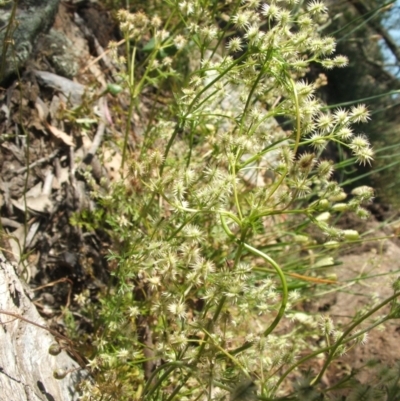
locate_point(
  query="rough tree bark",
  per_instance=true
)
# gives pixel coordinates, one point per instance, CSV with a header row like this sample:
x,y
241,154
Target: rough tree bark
x,y
21,21
27,368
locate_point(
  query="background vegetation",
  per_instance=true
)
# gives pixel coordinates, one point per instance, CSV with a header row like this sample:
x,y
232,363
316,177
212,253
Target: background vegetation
x,y
367,33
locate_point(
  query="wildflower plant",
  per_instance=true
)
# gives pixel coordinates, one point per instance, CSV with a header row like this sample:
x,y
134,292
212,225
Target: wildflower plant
x,y
199,290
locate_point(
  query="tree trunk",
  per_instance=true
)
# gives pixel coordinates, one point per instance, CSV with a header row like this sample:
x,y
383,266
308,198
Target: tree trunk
x,y
27,369
378,27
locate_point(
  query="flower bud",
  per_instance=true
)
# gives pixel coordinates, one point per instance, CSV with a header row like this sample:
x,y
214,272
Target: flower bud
x,y
351,235
323,204
210,127
338,197
114,89
362,213
301,239
332,245
323,217
340,207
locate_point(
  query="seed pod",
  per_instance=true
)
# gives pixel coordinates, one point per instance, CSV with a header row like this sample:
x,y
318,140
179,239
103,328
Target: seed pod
x,y
54,349
60,374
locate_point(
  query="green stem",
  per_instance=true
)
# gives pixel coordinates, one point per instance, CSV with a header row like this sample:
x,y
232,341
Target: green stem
x,y
281,312
257,156
210,327
325,349
348,331
298,126
226,353
131,68
179,125
191,138
178,128
169,368
282,277
271,212
275,187
235,192
227,230
178,388
254,86
127,131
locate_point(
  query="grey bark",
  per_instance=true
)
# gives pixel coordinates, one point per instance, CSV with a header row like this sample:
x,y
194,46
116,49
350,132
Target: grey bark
x,y
26,367
20,23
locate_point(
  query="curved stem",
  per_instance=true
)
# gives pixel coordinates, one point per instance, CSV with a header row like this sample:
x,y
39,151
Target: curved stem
x,y
232,217
225,227
279,271
169,367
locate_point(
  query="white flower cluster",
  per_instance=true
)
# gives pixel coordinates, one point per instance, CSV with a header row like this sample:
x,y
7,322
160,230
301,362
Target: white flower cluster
x,y
190,285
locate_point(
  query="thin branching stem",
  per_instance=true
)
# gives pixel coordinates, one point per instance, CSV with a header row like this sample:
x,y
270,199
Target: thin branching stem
x,y
356,323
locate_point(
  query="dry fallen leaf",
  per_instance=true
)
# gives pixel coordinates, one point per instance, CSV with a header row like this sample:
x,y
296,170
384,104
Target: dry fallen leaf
x,y
60,134
16,241
41,108
37,204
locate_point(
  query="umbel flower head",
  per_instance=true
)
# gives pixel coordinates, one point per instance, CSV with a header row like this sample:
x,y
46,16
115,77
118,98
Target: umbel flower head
x,y
218,190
